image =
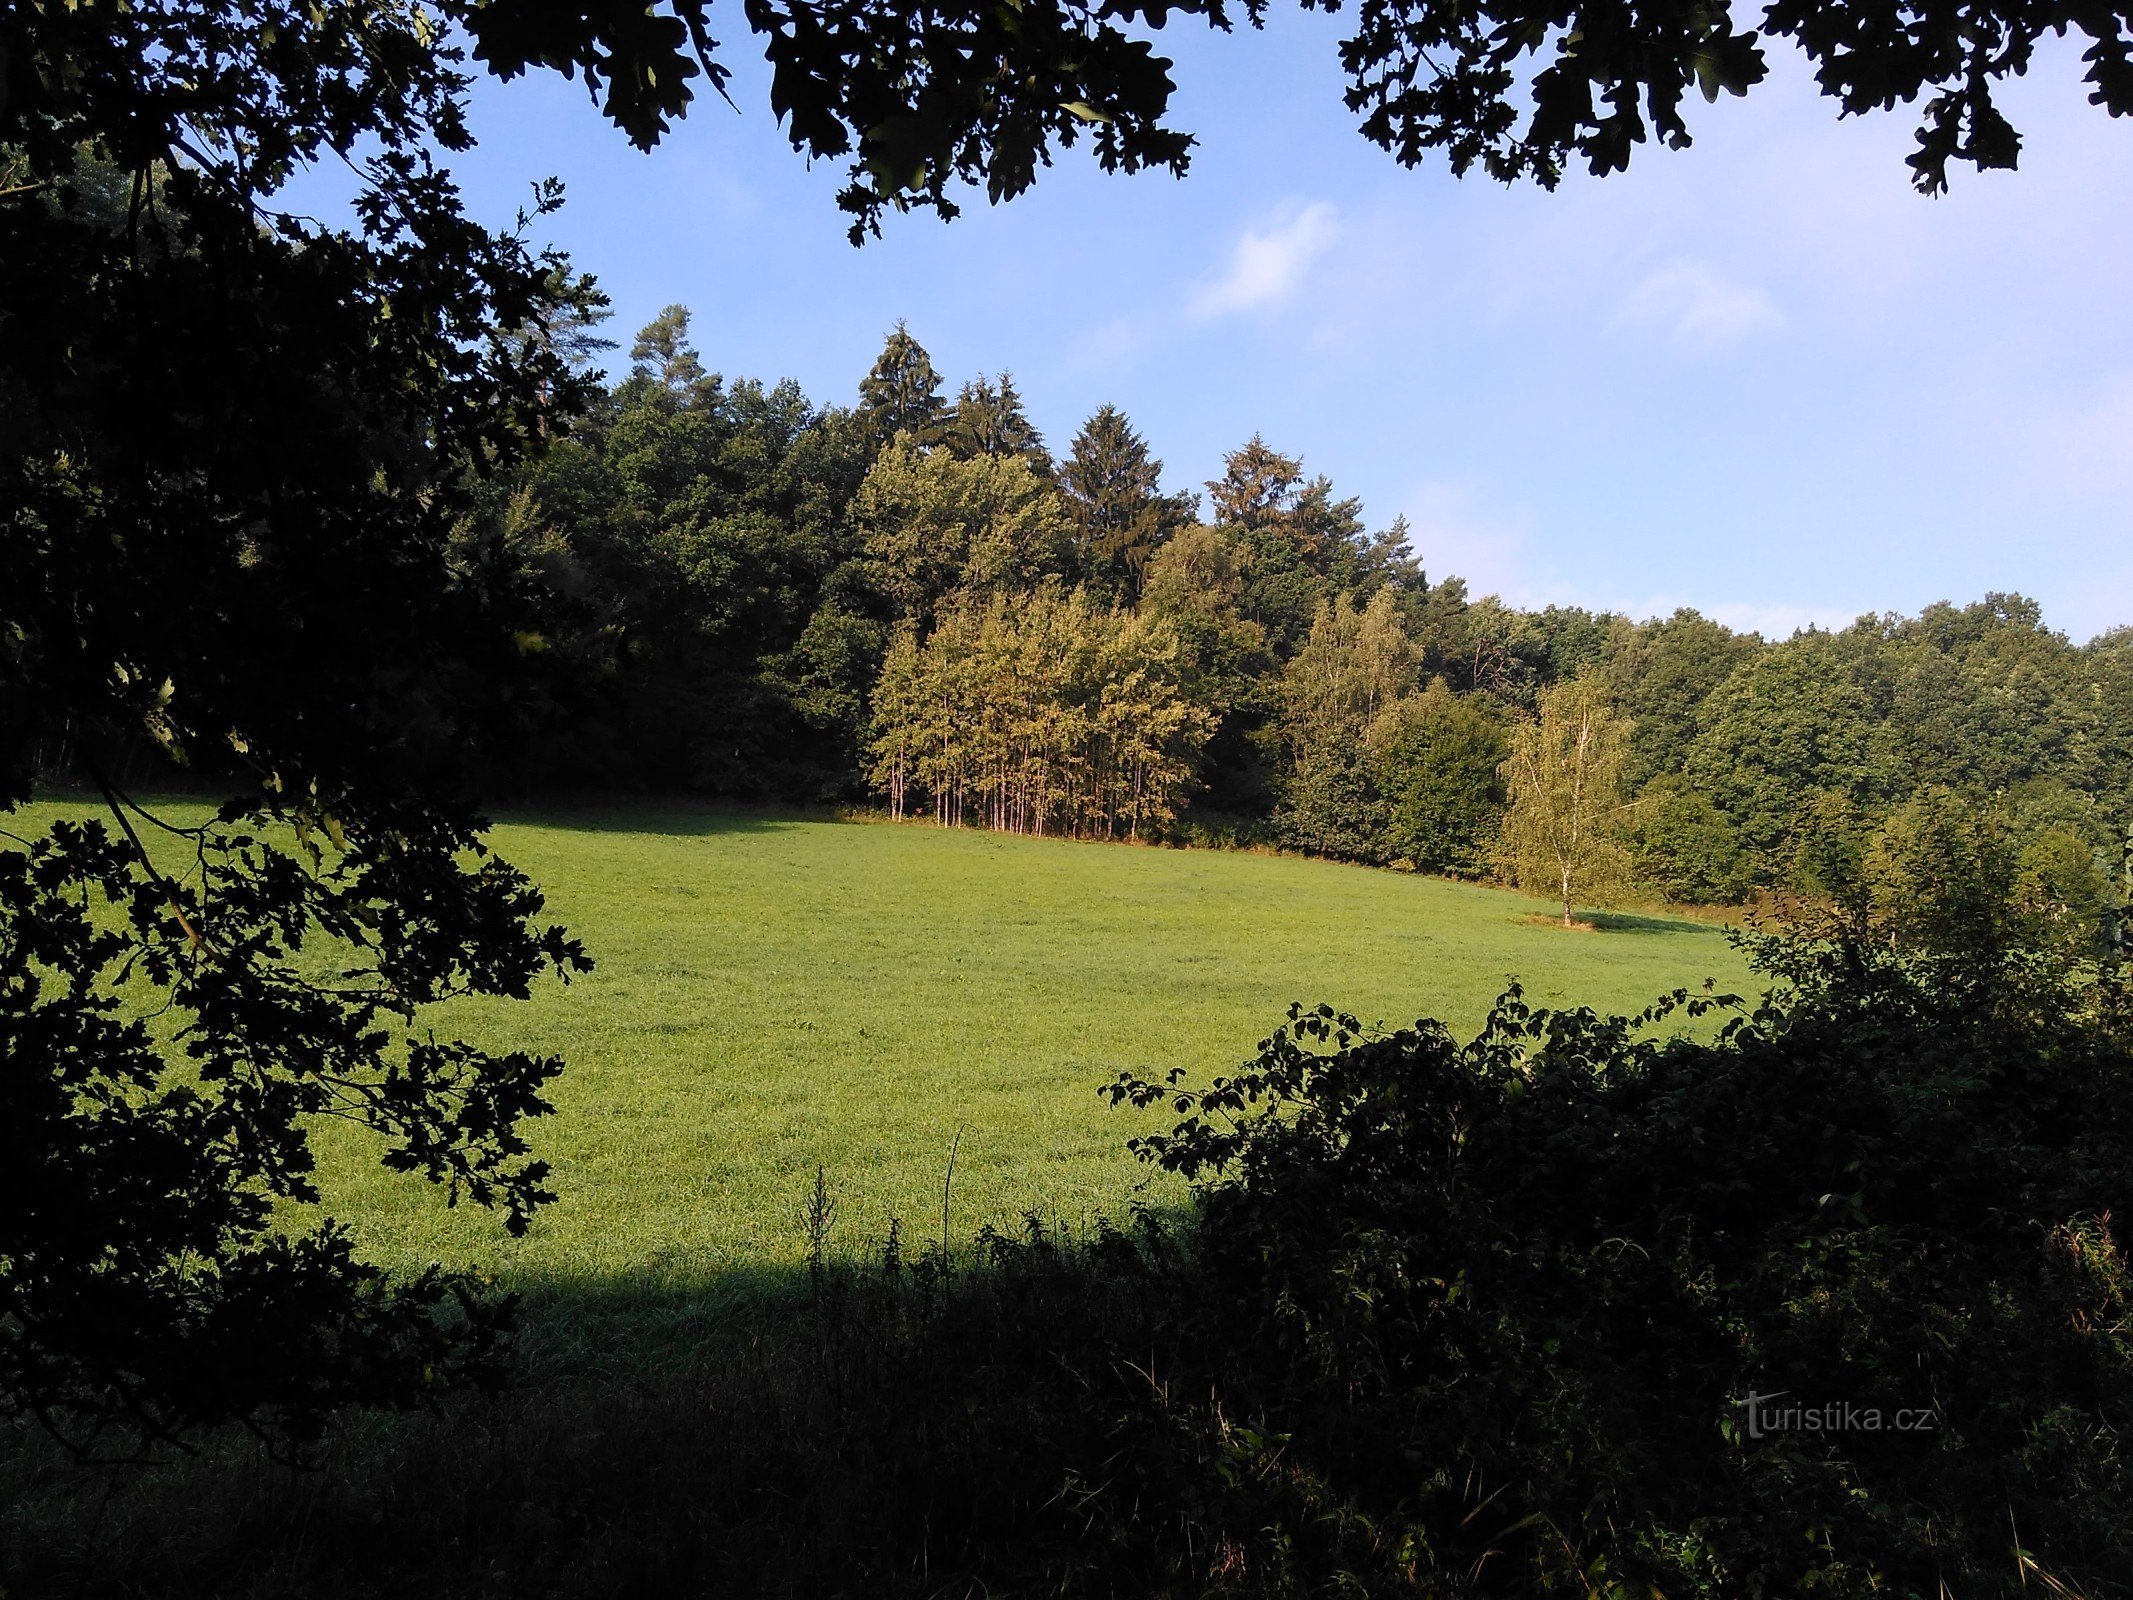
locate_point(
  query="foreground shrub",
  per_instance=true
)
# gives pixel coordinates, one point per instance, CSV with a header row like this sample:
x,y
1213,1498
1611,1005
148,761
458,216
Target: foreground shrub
x,y
1489,1317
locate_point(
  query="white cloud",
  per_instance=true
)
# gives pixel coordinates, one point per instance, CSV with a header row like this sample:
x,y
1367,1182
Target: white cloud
x,y
1268,262
1699,308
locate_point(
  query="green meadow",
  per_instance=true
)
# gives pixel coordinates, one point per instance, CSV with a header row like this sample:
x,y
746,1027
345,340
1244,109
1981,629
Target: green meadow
x,y
773,996
776,996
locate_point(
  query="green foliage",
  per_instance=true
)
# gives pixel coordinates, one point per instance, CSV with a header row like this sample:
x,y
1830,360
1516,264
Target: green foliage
x,y
1946,872
241,456
1501,1303
2109,663
1802,717
825,678
933,524
1663,676
1562,831
1038,714
1331,806
1196,581
1492,648
1301,546
1684,846
1113,486
1348,672
712,577
1438,756
690,575
988,420
901,394
662,354
1981,698
1346,676
1282,550
148,1290
1503,91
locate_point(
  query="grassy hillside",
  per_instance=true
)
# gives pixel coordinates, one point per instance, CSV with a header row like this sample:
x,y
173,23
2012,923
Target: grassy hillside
x,y
773,995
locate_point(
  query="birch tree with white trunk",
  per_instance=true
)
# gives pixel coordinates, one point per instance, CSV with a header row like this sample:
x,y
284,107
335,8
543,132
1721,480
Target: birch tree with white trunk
x,y
1562,836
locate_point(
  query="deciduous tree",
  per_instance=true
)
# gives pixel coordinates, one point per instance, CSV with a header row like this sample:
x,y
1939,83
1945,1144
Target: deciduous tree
x,y
1437,757
932,523
1803,717
1038,713
1562,833
239,456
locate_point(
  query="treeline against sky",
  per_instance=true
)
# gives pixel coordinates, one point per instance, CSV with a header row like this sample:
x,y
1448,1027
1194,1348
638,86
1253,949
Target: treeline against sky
x,y
916,601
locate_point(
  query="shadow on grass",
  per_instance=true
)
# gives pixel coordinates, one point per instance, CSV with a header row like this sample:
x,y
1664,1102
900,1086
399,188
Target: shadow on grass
x,y
649,1323
883,1426
666,818
670,821
1642,922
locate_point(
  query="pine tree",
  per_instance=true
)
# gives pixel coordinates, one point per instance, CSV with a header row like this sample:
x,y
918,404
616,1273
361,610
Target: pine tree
x,y
569,329
902,394
664,356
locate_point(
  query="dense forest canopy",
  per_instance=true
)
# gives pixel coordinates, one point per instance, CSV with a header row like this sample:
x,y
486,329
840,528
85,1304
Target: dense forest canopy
x,y
913,599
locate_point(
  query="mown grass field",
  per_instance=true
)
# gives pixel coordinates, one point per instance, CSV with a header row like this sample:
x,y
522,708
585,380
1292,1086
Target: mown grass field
x,y
776,995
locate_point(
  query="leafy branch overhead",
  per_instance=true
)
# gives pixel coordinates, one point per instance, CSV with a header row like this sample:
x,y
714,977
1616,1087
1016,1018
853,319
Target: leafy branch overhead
x,y
923,97
240,456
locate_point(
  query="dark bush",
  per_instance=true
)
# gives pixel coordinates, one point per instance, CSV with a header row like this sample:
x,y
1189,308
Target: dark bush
x,y
1484,1317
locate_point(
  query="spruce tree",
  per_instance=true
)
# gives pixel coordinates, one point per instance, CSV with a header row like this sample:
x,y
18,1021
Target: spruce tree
x,y
990,421
1257,487
1114,487
902,394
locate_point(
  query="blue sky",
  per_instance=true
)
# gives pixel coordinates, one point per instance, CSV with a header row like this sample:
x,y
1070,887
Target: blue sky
x,y
1761,377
